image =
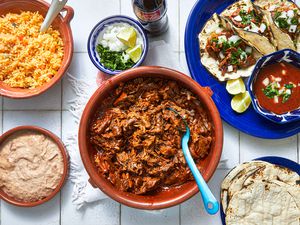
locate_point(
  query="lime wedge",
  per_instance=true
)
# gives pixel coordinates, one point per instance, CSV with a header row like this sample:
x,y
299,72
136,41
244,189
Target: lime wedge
x,y
127,36
235,86
241,102
135,53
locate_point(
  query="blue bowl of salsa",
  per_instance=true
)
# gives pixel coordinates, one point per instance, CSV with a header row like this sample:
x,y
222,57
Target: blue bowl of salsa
x,y
274,86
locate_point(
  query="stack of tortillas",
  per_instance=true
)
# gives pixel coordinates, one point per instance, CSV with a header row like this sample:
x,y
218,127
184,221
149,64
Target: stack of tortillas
x,y
260,193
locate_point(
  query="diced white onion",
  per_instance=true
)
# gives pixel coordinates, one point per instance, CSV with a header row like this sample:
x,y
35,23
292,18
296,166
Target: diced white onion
x,y
290,13
230,68
283,15
222,38
104,43
293,28
109,37
126,57
283,72
272,8
234,38
243,55
262,27
278,79
221,55
276,100
272,78
238,18
248,49
288,91
266,81
219,30
253,28
280,91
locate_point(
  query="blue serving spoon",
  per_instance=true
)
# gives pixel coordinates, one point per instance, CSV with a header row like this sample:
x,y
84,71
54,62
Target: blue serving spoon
x,y
210,202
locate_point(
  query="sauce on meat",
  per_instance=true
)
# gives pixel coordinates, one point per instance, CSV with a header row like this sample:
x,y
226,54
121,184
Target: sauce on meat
x,y
277,88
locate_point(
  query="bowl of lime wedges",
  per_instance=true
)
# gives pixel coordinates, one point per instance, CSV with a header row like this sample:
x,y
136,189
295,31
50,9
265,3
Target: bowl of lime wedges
x,y
117,43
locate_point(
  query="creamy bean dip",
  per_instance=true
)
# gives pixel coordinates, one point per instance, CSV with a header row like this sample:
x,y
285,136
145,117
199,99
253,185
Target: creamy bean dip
x,y
31,166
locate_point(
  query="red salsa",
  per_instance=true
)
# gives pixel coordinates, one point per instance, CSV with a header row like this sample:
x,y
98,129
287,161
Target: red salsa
x,y
277,88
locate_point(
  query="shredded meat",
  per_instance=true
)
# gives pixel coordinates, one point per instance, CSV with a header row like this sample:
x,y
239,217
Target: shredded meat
x,y
230,53
138,140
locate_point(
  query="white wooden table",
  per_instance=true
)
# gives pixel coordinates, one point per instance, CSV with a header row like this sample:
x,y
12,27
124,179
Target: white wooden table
x,y
51,112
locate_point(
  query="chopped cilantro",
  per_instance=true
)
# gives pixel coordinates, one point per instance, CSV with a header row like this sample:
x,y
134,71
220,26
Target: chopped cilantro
x,y
214,40
282,23
225,45
235,56
277,14
270,91
234,60
289,86
285,97
294,21
246,17
113,60
237,43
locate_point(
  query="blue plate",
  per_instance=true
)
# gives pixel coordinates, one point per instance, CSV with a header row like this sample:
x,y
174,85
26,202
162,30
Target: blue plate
x,y
274,160
249,122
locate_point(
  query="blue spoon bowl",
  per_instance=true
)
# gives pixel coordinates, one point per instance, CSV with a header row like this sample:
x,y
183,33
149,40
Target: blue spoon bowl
x,y
210,202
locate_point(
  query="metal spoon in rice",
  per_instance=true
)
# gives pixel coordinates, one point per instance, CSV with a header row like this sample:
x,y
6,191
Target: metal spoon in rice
x,y
55,8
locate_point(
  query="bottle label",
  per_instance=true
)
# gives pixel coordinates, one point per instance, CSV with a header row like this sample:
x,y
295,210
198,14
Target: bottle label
x,y
150,16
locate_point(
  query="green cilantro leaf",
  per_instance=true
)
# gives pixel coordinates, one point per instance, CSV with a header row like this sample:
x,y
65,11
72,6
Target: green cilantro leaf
x,y
113,60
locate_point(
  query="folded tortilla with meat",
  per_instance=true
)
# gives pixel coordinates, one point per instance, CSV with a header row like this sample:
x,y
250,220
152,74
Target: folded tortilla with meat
x,y
251,25
224,54
283,17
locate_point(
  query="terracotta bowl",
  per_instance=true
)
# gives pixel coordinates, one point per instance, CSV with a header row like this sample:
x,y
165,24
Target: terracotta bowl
x,y
60,23
61,146
172,196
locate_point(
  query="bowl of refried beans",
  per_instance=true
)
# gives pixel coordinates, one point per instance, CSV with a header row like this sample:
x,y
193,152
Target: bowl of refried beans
x,y
33,166
130,143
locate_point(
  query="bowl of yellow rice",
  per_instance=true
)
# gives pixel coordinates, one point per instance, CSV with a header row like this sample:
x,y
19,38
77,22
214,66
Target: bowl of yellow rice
x,y
32,61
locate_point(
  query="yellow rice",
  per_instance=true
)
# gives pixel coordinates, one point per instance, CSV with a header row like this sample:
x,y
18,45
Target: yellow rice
x,y
28,58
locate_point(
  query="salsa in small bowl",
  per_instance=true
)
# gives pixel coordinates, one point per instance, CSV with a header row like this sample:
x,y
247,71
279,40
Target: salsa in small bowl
x,y
117,43
274,86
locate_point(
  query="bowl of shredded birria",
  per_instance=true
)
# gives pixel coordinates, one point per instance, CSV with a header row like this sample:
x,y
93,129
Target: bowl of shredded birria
x,y
117,43
130,143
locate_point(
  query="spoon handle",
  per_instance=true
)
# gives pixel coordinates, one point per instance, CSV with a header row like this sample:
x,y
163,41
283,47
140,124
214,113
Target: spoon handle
x,y
55,8
210,203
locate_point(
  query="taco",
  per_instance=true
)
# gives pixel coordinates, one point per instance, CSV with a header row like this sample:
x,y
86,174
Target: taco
x,y
224,54
283,16
251,25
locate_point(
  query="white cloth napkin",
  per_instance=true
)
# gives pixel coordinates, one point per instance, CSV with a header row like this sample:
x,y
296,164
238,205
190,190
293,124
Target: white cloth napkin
x,y
159,54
